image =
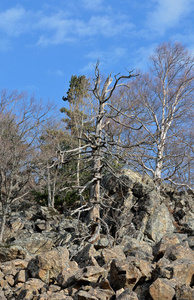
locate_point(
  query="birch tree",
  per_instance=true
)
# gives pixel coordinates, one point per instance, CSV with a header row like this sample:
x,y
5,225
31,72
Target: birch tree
x,y
166,95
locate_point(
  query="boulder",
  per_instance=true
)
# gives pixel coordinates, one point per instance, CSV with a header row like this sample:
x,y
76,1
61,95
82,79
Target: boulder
x,y
2,295
142,290
161,290
179,251
86,256
90,274
16,223
99,293
21,277
123,274
31,289
33,243
133,247
180,270
107,255
54,296
127,294
104,241
187,222
183,271
67,276
159,223
49,265
167,241
93,294
184,292
12,252
13,266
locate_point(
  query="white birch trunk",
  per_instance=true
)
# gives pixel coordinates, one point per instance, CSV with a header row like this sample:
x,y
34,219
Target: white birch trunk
x,y
49,186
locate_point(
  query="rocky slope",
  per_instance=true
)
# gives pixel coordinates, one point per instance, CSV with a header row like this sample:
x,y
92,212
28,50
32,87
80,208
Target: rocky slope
x,y
144,250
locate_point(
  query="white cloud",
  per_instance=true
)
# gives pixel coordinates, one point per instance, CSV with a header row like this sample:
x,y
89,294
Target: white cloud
x,y
15,21
109,26
185,39
54,29
107,58
60,27
167,14
110,54
93,4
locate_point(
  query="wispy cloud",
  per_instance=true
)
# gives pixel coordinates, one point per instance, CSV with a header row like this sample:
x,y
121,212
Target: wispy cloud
x,y
107,58
54,29
167,14
186,39
93,5
142,54
15,21
59,27
109,25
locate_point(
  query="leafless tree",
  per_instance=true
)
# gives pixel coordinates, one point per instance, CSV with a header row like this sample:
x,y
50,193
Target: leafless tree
x,y
101,144
20,120
54,171
166,103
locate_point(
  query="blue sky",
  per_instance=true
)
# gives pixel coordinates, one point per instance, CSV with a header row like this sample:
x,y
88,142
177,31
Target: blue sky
x,y
44,42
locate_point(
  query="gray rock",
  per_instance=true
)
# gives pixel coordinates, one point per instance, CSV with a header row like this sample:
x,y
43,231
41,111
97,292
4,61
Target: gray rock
x,y
86,256
152,232
131,244
123,274
49,265
2,295
104,242
8,253
34,243
185,292
188,222
128,294
159,223
90,274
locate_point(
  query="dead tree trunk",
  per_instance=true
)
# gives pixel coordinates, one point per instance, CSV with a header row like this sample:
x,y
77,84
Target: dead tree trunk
x,y
102,93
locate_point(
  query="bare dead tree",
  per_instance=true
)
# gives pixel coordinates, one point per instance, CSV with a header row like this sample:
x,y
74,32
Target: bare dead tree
x,y
100,144
99,140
